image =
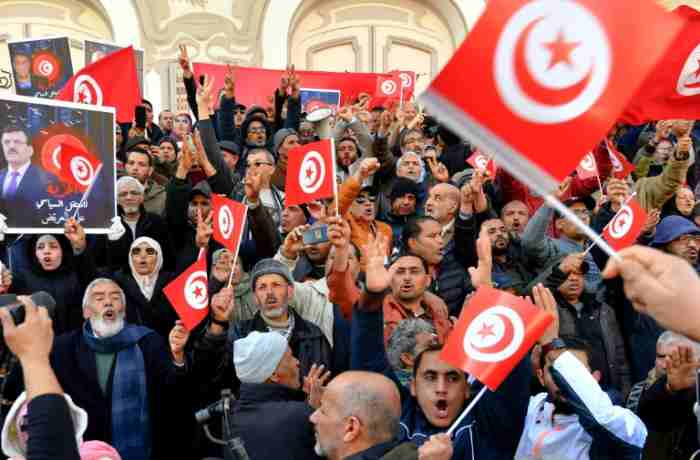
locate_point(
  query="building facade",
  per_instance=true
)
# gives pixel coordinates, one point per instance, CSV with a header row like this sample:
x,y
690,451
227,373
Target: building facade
x,y
334,35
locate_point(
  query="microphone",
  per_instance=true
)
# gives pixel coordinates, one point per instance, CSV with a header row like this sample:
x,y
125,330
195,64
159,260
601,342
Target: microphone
x,y
16,309
217,408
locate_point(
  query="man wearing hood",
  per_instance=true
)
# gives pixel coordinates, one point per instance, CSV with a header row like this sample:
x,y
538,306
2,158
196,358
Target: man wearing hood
x,y
404,202
680,237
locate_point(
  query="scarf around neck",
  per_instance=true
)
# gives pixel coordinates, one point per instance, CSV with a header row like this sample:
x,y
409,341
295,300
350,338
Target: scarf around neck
x,y
130,418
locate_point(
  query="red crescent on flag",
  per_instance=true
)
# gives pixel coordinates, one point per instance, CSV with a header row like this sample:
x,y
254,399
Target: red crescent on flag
x,y
529,84
505,340
317,167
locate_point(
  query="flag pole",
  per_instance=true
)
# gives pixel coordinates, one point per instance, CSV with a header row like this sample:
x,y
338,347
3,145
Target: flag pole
x,y
608,224
87,192
466,411
235,256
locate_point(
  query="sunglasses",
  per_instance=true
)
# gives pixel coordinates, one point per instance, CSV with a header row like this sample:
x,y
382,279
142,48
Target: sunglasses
x,y
137,251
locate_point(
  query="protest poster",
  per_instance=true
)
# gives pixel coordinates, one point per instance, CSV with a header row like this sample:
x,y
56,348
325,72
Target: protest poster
x,y
95,50
39,191
40,66
329,97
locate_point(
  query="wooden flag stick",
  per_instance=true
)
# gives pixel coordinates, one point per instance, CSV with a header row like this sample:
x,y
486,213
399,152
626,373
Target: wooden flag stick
x,y
466,411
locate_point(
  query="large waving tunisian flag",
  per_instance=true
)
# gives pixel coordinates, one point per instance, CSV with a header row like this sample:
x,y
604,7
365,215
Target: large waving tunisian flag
x,y
494,332
188,293
547,70
111,81
672,89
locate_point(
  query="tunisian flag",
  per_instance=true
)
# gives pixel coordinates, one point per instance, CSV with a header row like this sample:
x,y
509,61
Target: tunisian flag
x,y
480,161
188,293
587,168
111,82
311,173
228,221
78,167
493,333
624,228
549,69
621,168
672,89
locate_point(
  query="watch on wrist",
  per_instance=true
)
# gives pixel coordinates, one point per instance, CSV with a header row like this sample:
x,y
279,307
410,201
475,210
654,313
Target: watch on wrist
x,y
555,344
224,324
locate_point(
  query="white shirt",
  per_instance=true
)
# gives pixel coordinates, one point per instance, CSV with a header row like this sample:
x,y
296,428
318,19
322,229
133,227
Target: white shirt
x,y
554,437
8,177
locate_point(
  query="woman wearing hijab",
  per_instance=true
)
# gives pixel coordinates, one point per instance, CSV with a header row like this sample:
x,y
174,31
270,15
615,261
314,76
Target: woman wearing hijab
x,y
142,284
52,270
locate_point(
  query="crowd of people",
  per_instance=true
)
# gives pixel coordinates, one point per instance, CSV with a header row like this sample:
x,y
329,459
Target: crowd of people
x,y
331,348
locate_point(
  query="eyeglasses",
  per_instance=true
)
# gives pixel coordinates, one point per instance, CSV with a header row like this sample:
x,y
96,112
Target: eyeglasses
x,y
257,164
365,199
149,251
256,130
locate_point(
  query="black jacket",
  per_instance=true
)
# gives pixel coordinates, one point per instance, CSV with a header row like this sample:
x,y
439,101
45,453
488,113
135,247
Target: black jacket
x,y
50,429
74,364
63,284
273,422
156,314
664,412
150,225
451,283
213,355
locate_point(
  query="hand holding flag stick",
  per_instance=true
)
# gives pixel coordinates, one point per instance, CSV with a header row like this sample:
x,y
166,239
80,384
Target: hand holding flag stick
x,y
494,333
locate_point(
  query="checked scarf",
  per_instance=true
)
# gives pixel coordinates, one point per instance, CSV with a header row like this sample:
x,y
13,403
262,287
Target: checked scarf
x,y
130,420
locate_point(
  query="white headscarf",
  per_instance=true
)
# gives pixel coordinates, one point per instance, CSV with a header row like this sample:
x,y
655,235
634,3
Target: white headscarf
x,y
147,282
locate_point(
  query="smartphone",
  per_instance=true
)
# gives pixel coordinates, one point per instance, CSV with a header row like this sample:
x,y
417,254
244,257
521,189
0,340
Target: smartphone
x,y
140,116
315,235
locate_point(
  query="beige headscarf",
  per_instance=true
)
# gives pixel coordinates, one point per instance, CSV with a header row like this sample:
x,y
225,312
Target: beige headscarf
x,y
147,282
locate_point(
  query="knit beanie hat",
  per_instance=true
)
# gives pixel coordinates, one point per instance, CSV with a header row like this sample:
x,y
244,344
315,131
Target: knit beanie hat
x,y
280,136
403,186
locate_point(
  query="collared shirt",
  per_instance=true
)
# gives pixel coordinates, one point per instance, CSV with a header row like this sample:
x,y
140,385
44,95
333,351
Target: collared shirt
x,y
8,177
448,231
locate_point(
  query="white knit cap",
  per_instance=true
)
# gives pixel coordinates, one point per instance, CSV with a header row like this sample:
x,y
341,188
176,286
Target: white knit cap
x,y
257,355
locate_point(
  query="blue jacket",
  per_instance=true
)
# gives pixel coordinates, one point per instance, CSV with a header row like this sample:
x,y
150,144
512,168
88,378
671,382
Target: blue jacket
x,y
493,428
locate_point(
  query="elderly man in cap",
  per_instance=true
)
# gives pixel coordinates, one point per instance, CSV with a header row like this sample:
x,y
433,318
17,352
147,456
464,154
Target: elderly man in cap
x,y
273,289
270,417
678,236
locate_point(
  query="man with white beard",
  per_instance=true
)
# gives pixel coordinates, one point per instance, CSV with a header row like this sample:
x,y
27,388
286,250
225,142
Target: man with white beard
x,y
124,376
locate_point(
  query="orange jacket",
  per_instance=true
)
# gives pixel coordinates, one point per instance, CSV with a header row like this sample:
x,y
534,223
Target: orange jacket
x,y
394,312
342,291
360,231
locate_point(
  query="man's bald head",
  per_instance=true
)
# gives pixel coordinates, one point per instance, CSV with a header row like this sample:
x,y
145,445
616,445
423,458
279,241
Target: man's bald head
x,y
373,399
358,410
443,203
